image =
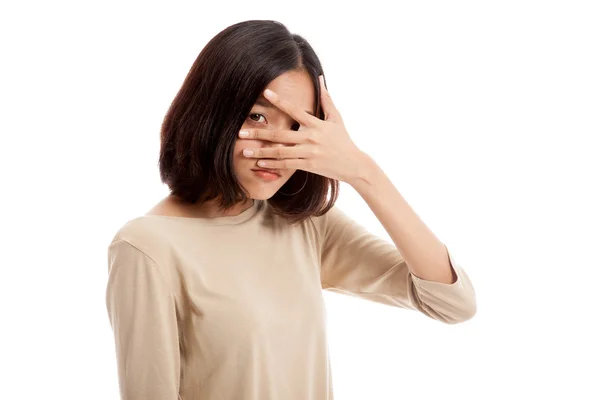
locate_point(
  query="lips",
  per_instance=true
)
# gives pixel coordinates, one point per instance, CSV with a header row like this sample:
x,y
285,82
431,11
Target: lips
x,y
272,171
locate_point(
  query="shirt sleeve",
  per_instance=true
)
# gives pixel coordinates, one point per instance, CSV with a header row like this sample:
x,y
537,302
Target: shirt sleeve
x,y
142,314
358,263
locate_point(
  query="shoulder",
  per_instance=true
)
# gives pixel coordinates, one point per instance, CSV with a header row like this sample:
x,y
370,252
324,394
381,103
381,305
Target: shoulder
x,y
141,233
332,218
329,225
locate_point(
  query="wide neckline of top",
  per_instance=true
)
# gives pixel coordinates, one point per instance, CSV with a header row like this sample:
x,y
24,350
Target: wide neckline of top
x,y
226,220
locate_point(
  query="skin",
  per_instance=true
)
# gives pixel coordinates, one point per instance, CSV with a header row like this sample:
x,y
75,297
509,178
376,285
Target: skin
x,y
325,148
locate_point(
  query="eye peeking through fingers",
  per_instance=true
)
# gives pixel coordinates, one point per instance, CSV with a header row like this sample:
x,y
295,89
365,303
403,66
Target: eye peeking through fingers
x,y
256,115
259,115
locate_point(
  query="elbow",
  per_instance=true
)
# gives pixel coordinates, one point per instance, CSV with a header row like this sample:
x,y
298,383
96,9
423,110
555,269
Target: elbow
x,y
465,306
465,313
450,304
449,314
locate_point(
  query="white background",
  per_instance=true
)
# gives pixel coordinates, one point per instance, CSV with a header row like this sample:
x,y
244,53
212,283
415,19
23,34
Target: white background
x,y
484,114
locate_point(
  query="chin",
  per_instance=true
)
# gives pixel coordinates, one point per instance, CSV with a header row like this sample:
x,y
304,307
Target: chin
x,y
262,192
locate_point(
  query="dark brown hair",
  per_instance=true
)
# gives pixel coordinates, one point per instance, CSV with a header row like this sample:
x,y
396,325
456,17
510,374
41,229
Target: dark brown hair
x,y
201,127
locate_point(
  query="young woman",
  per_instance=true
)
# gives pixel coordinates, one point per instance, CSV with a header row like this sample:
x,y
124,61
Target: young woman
x,y
216,293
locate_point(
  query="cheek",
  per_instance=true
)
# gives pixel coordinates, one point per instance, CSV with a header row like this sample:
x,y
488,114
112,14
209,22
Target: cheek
x,y
239,161
239,147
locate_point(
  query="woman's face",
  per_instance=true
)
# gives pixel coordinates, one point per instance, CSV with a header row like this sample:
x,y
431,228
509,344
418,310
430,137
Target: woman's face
x,y
295,87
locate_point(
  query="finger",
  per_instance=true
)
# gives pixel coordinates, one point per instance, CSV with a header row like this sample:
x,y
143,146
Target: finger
x,y
279,152
294,111
289,163
331,112
275,135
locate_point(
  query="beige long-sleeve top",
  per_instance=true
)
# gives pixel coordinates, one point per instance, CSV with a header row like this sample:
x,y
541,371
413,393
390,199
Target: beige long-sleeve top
x,y
232,307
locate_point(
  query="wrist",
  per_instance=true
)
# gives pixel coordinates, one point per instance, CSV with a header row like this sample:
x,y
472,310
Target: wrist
x,y
364,170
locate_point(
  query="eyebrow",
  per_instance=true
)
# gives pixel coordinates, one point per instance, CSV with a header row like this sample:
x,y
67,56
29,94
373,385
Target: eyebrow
x,y
263,102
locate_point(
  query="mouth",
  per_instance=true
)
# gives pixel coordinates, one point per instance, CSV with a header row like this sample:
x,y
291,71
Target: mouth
x,y
267,175
270,171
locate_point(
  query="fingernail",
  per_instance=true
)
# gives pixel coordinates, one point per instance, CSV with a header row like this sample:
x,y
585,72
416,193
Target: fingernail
x,y
244,133
262,164
248,152
269,92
